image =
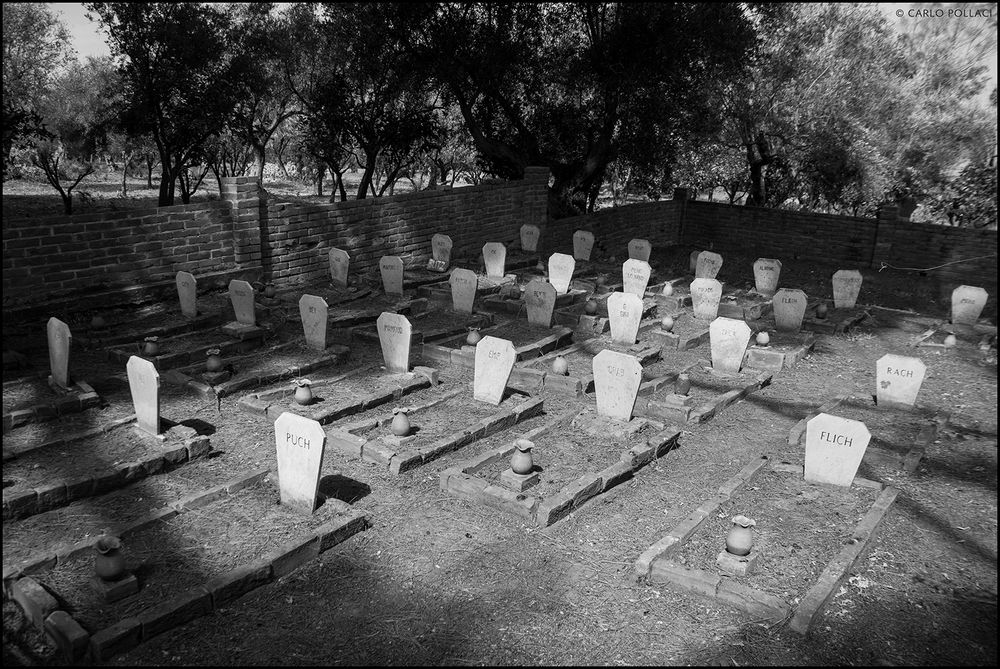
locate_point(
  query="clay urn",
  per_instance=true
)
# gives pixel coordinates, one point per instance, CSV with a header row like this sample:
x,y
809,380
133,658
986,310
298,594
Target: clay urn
x,y
950,340
400,423
213,361
667,323
473,337
152,346
109,562
97,321
590,308
668,289
269,290
611,259
540,266
740,538
822,310
683,384
303,391
521,461
602,280
559,366
763,338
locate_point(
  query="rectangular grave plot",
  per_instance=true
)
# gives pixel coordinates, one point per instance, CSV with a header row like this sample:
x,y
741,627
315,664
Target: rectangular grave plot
x,y
333,295
529,341
710,394
687,333
370,309
678,300
515,306
432,325
837,321
782,352
33,400
441,291
188,349
579,357
744,305
179,555
166,323
649,305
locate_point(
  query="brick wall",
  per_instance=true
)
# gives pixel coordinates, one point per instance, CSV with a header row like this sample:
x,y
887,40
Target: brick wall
x,y
658,222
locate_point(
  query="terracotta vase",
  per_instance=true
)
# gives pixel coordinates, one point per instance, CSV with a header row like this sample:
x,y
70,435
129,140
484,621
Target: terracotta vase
x,y
590,308
559,366
303,394
269,291
213,362
473,337
668,289
683,384
400,423
109,562
667,323
739,541
521,461
950,340
151,348
822,310
763,339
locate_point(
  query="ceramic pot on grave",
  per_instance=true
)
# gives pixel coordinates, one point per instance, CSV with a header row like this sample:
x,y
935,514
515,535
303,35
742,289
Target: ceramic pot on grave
x,y
668,289
521,461
667,323
303,394
559,366
109,561
269,290
473,337
821,310
739,541
400,423
683,384
151,347
590,308
213,363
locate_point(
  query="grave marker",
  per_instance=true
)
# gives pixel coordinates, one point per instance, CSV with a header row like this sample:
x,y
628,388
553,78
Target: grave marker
x,y
766,272
789,309
494,362
464,283
187,293
144,382
313,311
624,314
693,261
846,286
60,339
529,237
540,300
561,267
300,443
705,297
639,249
898,379
729,338
708,265
834,449
392,274
635,276
583,244
967,304
441,248
395,334
616,383
340,262
495,257
241,295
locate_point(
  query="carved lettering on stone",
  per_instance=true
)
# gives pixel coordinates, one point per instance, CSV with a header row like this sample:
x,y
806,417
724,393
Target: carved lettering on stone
x,y
729,338
60,340
494,361
834,449
300,444
898,379
766,272
789,309
967,304
583,244
617,377
395,334
241,294
561,268
495,257
540,301
640,249
708,266
144,382
391,268
187,293
464,283
340,263
635,276
624,314
846,286
705,297
313,312
529,237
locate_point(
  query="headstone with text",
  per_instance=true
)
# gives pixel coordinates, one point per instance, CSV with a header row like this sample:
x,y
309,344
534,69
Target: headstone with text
x,y
300,443
494,361
624,314
705,297
617,377
898,379
789,309
340,262
60,340
529,237
583,244
635,276
144,383
495,257
640,249
440,253
464,283
395,335
846,286
708,266
766,272
834,449
241,295
187,293
391,268
561,268
729,338
540,301
967,304
313,312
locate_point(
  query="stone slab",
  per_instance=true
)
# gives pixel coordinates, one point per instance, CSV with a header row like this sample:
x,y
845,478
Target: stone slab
x,y
300,443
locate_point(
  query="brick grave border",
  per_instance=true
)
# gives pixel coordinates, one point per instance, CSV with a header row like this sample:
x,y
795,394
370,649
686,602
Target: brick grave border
x,y
465,355
75,644
837,321
77,399
703,413
440,291
771,359
516,307
461,480
755,306
203,321
577,385
226,345
369,331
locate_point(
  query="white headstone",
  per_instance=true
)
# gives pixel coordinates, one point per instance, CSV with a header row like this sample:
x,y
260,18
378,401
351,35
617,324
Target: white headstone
x,y
834,449
441,248
640,249
789,309
395,334
340,262
705,297
392,274
624,314
583,244
708,265
60,339
313,311
898,379
529,237
187,292
635,276
846,286
144,382
616,383
241,295
494,361
495,257
766,272
967,304
464,283
561,267
300,442
540,300
693,261
729,338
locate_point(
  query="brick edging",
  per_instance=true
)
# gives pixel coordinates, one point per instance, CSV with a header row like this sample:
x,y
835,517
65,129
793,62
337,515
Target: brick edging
x,y
70,438
799,429
72,402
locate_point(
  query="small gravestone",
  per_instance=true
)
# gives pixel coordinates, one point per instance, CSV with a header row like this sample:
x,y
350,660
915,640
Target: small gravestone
x,y
789,309
144,382
464,284
693,261
561,267
494,361
187,293
300,443
898,379
391,268
540,300
60,339
729,338
340,262
616,383
624,314
495,257
635,276
705,297
313,311
967,304
441,253
639,249
846,286
834,449
766,272
395,334
241,295
529,237
583,244
708,265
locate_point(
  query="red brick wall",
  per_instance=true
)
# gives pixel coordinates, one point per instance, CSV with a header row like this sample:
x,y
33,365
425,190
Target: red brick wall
x,y
658,222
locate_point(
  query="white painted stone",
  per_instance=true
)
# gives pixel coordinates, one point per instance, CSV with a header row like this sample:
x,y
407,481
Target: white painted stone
x,y
846,286
705,297
494,361
639,249
300,444
834,449
624,314
898,379
967,304
561,268
441,248
583,244
540,300
394,334
708,266
144,382
313,311
789,309
616,383
693,261
635,276
391,268
241,294
340,263
60,340
187,293
495,257
530,235
729,338
464,283
766,272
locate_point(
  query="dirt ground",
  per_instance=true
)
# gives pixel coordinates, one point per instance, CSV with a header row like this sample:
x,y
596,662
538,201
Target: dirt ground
x,y
439,580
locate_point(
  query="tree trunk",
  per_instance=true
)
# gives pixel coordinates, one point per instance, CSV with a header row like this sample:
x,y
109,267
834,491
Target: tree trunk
x,y
125,162
366,177
321,170
167,179
260,153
